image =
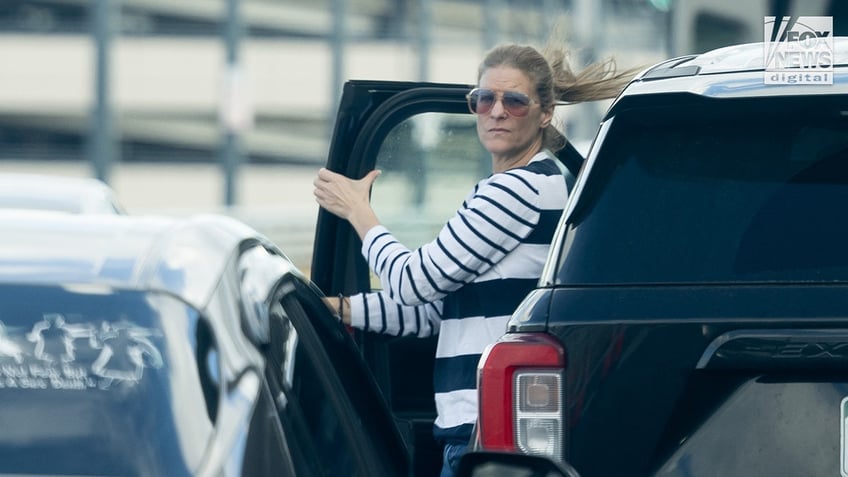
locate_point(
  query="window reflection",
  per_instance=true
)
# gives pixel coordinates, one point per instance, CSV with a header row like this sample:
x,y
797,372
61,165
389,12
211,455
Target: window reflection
x,y
428,163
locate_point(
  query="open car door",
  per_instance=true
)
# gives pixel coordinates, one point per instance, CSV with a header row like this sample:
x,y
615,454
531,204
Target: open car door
x,y
424,140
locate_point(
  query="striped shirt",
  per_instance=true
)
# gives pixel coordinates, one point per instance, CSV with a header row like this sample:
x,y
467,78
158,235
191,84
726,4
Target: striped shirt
x,y
465,284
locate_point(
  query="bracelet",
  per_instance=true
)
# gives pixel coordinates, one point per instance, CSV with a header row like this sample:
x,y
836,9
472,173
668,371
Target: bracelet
x,y
341,306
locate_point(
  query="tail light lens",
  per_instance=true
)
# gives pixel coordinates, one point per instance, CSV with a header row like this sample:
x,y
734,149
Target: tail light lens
x,y
520,384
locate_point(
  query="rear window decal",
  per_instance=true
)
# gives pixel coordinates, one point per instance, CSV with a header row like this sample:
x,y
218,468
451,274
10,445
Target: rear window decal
x,y
54,338
56,354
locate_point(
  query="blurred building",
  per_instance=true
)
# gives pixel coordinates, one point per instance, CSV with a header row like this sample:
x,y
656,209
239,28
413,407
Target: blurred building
x,y
168,77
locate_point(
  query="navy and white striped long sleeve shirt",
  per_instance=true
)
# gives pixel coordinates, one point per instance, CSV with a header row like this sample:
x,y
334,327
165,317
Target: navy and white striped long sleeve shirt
x,y
465,284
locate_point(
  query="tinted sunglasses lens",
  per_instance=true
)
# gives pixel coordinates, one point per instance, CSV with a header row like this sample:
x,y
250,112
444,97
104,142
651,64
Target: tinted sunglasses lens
x,y
480,101
517,104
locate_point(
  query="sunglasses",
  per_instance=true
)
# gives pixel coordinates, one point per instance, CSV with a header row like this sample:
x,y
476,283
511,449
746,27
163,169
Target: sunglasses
x,y
482,100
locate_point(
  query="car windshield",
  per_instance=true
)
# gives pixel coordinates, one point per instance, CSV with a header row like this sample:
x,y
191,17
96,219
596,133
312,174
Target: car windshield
x,y
90,379
706,194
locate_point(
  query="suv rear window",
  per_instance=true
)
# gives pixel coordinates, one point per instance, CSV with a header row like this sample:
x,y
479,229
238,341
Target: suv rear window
x,y
717,191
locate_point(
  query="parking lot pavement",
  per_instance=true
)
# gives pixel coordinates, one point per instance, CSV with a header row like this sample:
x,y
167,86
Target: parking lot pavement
x,y
276,199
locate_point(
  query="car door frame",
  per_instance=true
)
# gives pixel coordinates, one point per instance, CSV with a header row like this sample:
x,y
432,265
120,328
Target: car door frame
x,y
298,341
367,112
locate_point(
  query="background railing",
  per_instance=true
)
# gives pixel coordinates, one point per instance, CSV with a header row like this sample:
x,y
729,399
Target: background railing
x,y
180,116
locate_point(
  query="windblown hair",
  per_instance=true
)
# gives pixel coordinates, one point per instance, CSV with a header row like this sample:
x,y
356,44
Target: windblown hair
x,y
556,81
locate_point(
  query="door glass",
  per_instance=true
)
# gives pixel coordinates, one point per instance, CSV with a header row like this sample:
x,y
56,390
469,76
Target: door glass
x,y
429,164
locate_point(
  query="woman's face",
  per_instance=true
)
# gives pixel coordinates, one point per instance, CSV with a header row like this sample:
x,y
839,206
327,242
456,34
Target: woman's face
x,y
504,135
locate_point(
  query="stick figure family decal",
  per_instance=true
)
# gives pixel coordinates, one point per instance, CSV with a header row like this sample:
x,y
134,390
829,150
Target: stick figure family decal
x,y
56,354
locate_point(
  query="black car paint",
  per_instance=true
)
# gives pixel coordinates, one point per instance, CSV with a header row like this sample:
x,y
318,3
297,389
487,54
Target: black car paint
x,y
645,363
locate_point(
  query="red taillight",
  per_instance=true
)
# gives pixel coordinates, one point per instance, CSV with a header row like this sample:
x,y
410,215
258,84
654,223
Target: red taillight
x,y
520,385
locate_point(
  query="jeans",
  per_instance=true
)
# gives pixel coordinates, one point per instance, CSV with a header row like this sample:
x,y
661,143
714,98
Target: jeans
x,y
452,454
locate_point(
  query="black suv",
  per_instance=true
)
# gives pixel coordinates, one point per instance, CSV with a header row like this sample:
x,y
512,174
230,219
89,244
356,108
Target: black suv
x,y
693,316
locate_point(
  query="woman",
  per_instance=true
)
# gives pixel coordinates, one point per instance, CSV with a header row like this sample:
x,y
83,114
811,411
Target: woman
x,y
465,284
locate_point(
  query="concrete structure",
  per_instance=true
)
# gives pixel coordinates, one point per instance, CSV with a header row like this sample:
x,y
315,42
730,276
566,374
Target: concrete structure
x,y
170,89
168,79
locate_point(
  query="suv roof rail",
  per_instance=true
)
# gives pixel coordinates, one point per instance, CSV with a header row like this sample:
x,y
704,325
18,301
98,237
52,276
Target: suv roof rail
x,y
671,72
665,65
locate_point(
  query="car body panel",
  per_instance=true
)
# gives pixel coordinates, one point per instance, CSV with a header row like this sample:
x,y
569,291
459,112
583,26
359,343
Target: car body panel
x,y
75,195
693,74
141,253
658,370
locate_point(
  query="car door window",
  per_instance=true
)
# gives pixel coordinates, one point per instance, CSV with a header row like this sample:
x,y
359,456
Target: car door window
x,y
428,164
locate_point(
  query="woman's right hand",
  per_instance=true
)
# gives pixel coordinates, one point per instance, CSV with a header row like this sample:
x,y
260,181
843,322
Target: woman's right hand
x,y
347,198
339,194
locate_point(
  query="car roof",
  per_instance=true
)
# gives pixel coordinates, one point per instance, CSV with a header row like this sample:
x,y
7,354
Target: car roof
x,y
183,256
76,195
730,72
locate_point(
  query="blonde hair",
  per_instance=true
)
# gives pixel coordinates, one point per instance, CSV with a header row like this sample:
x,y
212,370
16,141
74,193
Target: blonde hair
x,y
556,82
